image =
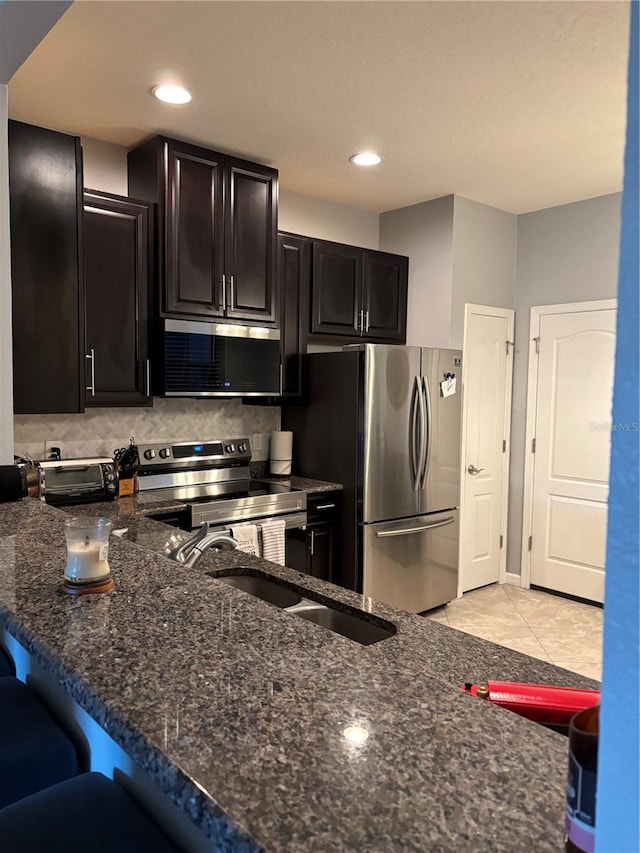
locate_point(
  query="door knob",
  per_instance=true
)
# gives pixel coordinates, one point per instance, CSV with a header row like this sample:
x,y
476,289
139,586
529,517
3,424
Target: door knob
x,y
473,470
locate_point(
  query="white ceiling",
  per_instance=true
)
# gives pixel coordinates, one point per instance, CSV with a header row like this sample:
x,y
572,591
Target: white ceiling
x,y
520,104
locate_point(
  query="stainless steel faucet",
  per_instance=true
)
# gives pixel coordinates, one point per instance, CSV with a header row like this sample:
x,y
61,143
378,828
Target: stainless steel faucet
x,y
189,552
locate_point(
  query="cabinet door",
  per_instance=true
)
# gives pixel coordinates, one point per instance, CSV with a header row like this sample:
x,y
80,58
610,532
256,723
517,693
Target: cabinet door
x,y
385,297
297,550
294,279
45,196
320,539
116,263
194,231
336,289
250,242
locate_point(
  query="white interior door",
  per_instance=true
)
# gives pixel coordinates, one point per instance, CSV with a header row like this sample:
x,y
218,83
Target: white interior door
x,y
487,373
568,530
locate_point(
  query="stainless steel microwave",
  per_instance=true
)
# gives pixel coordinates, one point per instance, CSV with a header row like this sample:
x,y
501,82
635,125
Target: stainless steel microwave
x,y
203,359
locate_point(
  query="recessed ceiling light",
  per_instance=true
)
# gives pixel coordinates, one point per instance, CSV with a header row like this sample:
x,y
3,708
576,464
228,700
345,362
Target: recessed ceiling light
x,y
171,94
366,158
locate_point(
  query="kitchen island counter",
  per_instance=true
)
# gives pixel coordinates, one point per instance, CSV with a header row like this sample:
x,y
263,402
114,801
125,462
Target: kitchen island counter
x,y
237,709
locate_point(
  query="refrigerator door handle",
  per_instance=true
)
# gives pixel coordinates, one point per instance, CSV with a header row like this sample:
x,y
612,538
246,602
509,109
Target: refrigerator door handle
x,y
414,454
423,528
424,470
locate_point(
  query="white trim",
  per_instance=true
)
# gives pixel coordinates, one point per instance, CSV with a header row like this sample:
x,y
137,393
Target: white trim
x,y
537,311
508,314
512,578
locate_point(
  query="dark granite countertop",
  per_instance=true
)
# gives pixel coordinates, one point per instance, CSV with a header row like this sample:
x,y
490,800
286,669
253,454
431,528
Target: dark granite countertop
x,y
311,487
237,709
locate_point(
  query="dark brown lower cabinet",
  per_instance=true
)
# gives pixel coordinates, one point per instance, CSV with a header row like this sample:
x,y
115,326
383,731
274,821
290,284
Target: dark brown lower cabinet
x,y
45,195
313,550
117,256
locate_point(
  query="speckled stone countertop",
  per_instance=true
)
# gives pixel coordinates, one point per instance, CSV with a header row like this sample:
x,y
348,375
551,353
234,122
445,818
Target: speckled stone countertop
x,y
237,708
312,487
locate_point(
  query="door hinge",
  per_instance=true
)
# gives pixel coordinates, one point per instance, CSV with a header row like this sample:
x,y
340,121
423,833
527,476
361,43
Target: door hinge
x,y
533,445
530,542
501,540
537,340
504,445
509,344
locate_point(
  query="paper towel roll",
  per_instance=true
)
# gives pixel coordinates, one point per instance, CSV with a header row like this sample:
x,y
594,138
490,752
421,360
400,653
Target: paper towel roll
x,y
281,452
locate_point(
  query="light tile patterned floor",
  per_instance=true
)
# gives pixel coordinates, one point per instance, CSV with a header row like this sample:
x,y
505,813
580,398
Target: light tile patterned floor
x,y
564,632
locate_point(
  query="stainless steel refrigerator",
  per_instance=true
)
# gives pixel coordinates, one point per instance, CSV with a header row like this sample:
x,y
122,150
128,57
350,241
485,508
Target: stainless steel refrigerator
x,y
385,422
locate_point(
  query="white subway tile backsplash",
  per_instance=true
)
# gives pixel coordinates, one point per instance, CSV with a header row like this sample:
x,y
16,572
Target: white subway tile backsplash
x,y
98,432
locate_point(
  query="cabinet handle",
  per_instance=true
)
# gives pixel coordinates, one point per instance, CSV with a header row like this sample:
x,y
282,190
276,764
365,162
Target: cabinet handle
x,y
92,387
326,506
223,281
312,542
232,301
359,322
366,322
281,379
148,378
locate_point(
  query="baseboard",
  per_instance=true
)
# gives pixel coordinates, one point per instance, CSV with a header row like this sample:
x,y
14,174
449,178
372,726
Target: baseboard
x,y
512,578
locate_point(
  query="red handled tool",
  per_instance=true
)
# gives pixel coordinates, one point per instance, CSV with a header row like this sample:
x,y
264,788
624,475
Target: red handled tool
x,y
551,706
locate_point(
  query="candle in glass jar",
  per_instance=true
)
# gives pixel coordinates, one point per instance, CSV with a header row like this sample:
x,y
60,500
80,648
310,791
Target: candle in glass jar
x,y
87,560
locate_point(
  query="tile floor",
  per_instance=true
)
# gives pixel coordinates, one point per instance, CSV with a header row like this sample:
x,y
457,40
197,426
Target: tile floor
x,y
545,626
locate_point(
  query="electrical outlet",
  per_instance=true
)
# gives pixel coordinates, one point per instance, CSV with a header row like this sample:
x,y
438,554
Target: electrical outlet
x,y
50,444
260,446
256,441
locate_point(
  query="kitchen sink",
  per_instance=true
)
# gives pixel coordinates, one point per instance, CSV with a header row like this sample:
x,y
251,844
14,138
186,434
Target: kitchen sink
x,y
261,587
350,624
347,624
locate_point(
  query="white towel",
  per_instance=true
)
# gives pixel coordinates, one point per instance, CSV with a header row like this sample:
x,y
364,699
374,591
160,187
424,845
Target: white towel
x,y
273,540
246,535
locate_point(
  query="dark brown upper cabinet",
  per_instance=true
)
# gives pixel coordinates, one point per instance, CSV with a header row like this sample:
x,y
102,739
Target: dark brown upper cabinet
x,y
294,277
384,296
45,195
117,258
216,231
337,289
359,294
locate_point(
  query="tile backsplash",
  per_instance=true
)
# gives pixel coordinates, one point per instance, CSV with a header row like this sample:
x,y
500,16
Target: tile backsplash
x,y
98,432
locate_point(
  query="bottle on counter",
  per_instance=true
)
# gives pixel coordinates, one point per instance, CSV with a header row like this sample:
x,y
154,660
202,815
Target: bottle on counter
x,y
580,814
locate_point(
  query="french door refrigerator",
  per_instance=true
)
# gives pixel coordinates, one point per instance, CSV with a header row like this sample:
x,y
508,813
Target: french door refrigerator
x,y
385,422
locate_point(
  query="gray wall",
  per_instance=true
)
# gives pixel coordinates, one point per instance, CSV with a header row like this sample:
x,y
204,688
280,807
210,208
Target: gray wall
x,y
484,260
424,232
327,220
104,166
565,254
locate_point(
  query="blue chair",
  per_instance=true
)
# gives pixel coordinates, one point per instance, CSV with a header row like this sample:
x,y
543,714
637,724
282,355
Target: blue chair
x,y
34,751
87,813
6,667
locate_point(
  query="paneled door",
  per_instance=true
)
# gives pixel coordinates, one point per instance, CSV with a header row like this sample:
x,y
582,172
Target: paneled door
x,y
572,432
486,417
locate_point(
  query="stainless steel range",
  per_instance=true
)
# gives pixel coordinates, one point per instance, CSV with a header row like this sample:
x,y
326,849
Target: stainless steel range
x,y
212,480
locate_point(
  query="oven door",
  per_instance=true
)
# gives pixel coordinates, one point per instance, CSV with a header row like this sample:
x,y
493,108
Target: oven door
x,y
219,360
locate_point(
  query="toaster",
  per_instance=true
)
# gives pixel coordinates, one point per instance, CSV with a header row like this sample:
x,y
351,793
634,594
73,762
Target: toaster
x,y
73,481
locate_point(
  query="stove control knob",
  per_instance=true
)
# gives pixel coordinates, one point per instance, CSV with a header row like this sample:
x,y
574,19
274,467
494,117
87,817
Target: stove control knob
x,y
230,448
149,454
242,448
165,452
